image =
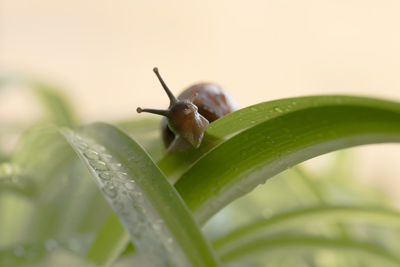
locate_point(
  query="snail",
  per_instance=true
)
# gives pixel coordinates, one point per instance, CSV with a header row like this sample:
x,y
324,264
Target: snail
x,y
189,115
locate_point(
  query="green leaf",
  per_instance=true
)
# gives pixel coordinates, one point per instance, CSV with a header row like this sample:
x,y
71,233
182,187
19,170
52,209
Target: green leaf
x,y
64,202
57,107
300,243
146,131
49,253
13,179
159,223
260,141
9,169
267,226
15,210
110,242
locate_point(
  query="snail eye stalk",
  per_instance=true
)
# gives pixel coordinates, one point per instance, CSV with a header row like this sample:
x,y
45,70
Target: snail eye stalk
x,y
172,99
153,111
171,96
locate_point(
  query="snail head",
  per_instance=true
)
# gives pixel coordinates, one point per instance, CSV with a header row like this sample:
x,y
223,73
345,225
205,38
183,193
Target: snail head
x,y
183,116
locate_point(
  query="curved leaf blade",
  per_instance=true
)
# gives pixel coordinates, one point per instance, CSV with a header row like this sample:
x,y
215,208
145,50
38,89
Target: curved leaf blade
x,y
13,179
146,131
267,226
149,208
58,109
280,134
109,244
299,243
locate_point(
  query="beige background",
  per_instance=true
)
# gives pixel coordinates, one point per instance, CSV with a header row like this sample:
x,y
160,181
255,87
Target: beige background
x,y
102,52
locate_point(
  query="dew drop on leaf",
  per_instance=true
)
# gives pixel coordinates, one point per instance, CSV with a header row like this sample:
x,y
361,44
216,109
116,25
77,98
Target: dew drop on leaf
x,y
98,165
80,145
158,224
106,157
91,154
116,165
130,185
110,190
105,175
123,175
136,195
99,148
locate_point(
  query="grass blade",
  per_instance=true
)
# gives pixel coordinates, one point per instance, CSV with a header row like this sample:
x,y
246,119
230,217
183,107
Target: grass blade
x,y
271,137
49,187
146,131
299,243
58,108
109,244
159,223
264,227
13,179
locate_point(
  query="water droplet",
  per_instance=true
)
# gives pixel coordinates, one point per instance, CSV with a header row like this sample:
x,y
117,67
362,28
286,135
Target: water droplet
x,y
98,148
170,240
110,190
158,224
91,154
106,156
252,122
116,165
6,169
130,185
136,196
77,136
123,175
253,109
278,109
105,175
81,145
98,165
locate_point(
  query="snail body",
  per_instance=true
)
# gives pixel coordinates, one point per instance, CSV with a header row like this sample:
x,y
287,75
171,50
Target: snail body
x,y
189,115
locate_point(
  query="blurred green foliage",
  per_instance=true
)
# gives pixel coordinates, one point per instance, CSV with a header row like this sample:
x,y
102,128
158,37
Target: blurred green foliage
x,y
52,213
